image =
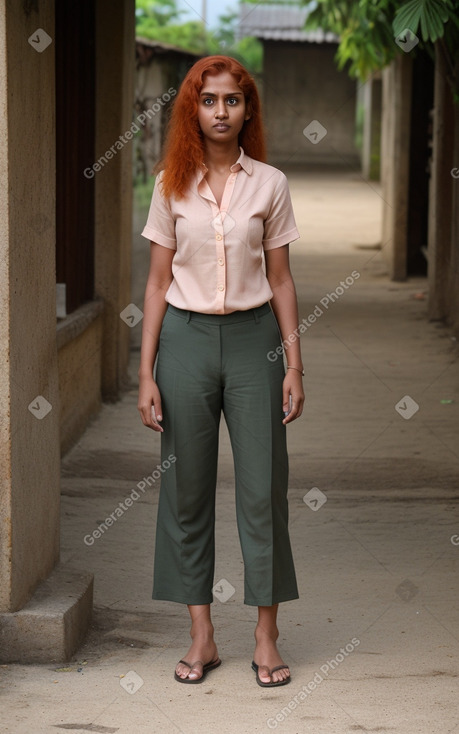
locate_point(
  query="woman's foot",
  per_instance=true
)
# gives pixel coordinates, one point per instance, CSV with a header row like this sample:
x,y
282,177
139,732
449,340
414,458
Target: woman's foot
x,y
267,656
203,650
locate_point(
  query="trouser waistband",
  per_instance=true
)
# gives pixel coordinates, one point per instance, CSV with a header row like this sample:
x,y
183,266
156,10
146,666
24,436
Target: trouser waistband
x,y
217,319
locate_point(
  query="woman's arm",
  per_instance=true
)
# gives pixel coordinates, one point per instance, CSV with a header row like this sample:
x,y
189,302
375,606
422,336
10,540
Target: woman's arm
x,y
154,309
285,306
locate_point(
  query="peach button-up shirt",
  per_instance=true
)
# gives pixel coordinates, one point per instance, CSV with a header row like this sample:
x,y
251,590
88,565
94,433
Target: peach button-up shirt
x,y
218,262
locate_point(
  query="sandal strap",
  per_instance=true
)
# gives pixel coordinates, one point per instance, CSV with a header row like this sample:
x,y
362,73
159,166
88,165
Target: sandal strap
x,y
279,667
191,666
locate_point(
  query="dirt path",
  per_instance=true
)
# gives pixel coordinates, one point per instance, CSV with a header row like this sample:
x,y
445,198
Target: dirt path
x,y
373,640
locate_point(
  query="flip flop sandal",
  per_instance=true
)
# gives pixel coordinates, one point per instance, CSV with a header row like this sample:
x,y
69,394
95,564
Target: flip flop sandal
x,y
205,670
274,684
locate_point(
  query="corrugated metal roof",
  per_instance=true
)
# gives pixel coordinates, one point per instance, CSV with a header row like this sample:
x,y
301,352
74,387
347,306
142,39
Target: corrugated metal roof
x,y
280,22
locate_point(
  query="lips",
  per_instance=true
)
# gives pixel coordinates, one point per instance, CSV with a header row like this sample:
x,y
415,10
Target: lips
x,y
221,127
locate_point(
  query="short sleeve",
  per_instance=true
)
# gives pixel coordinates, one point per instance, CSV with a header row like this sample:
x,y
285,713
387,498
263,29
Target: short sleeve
x,y
279,226
160,226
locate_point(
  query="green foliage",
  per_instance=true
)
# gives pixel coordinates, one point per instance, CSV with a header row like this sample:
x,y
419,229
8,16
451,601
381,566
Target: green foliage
x,y
364,29
159,20
431,15
143,193
156,13
367,29
249,51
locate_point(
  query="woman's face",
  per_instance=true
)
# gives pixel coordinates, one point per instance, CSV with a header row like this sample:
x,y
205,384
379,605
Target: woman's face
x,y
221,107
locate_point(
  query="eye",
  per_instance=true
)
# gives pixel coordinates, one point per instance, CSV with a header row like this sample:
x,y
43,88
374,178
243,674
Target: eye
x,y
232,101
206,100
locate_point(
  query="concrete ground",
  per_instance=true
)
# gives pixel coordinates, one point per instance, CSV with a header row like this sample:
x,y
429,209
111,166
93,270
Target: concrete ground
x,y
373,640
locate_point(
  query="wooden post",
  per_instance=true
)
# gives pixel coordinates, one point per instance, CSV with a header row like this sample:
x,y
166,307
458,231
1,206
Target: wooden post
x,y
395,157
440,192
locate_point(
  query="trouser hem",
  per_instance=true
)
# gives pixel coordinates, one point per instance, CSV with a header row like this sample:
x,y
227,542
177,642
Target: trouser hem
x,y
270,602
159,596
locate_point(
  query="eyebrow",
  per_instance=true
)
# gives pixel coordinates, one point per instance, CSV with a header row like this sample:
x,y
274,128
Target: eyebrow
x,y
228,94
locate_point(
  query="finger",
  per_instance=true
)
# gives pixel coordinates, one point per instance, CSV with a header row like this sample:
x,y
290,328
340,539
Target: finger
x,y
291,415
156,416
295,412
145,414
157,409
285,399
147,418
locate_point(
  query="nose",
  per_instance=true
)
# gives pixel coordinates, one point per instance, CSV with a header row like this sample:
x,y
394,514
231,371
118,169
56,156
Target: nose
x,y
220,111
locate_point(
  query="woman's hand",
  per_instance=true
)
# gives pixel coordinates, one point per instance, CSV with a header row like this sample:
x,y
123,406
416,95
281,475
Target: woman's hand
x,y
149,403
292,386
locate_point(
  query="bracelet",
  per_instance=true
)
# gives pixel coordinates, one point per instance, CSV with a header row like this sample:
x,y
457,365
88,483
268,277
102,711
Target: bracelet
x,y
297,369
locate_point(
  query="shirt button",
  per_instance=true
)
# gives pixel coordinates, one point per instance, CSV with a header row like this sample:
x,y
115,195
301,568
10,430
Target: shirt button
x,y
220,287
218,237
220,261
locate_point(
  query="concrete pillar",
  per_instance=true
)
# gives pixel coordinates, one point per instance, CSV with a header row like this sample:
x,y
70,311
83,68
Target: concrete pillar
x,y
371,143
395,155
440,191
44,609
115,77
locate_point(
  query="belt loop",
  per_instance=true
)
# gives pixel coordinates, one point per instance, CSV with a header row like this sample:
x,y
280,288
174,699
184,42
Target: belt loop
x,y
188,317
255,315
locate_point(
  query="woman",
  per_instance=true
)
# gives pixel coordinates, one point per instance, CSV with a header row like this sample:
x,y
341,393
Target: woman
x,y
211,316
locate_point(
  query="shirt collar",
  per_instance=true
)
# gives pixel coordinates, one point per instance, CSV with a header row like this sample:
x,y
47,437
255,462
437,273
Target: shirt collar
x,y
244,161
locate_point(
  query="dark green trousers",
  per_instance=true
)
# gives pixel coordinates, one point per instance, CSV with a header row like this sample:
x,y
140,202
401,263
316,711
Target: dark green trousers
x,y
208,364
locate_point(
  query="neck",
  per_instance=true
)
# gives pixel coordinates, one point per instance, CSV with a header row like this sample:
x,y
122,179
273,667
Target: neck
x,y
220,157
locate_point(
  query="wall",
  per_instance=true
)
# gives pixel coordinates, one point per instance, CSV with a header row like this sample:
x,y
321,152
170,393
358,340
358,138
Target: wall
x,y
79,342
301,84
158,70
29,449
149,86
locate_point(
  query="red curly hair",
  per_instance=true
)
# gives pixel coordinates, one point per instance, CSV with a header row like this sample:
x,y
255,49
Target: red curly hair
x,y
184,146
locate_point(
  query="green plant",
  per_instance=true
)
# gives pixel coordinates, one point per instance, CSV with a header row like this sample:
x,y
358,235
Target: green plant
x,y
142,193
160,20
367,30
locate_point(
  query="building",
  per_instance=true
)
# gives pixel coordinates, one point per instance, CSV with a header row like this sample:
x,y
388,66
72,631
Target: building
x,y
420,177
160,68
302,86
410,138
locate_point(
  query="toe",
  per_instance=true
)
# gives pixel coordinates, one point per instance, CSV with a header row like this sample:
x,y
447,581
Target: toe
x,y
182,670
195,672
263,674
281,674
